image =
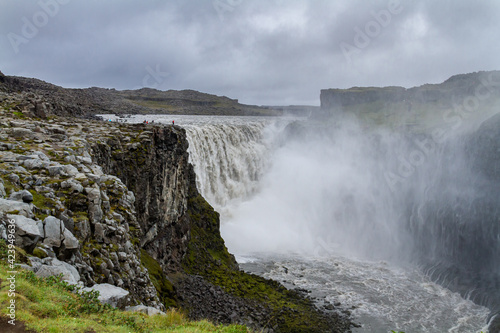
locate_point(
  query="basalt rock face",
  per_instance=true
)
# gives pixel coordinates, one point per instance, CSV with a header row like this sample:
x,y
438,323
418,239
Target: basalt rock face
x,y
156,168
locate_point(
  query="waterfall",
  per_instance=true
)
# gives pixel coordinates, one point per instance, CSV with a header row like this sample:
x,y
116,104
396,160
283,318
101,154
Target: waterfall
x,y
340,189
231,157
324,190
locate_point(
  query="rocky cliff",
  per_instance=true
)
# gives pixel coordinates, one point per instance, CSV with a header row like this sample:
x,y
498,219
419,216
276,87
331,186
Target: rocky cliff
x,y
113,205
459,96
449,91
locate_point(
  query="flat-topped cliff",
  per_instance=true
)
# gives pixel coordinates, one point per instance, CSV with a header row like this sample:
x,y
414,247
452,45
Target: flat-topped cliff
x,y
460,96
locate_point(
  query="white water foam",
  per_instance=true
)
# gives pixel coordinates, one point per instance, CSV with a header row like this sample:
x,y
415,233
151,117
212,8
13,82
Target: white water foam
x,y
381,297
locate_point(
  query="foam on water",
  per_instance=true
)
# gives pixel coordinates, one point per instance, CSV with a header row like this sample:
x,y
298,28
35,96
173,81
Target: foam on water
x,y
380,296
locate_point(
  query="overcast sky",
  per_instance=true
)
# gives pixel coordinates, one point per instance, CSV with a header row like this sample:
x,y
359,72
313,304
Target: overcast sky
x,y
265,52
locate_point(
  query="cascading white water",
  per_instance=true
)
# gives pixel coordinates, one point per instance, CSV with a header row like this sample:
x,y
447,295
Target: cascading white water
x,y
229,159
325,195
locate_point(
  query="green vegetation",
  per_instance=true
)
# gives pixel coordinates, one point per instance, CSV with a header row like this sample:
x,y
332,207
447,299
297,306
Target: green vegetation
x,y
19,115
207,256
189,102
163,286
51,305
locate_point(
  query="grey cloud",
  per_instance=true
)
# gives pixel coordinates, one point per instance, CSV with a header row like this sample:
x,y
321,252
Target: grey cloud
x,y
261,52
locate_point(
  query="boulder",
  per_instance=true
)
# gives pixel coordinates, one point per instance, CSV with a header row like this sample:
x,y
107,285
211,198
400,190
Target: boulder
x,y
73,185
55,170
149,310
95,211
96,169
54,229
33,163
23,133
27,231
99,232
13,178
3,193
53,267
70,159
70,170
82,229
70,242
21,208
84,160
7,156
26,226
112,295
24,196
41,156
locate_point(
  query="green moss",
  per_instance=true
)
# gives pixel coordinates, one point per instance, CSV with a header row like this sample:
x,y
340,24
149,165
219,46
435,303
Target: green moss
x,y
90,245
41,201
80,217
20,255
207,256
9,187
76,202
134,237
19,115
37,252
205,233
163,286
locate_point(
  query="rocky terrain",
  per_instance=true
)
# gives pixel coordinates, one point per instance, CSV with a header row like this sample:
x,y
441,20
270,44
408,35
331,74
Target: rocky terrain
x,y
90,101
446,104
114,207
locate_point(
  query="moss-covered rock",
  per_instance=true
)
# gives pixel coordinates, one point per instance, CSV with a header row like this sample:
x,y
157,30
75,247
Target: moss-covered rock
x,y
163,286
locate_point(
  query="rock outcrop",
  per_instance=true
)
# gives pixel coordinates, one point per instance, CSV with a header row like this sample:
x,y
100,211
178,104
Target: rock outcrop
x,y
154,165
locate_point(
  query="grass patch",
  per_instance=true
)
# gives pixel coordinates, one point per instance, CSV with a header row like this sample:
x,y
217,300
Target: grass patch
x,y
51,305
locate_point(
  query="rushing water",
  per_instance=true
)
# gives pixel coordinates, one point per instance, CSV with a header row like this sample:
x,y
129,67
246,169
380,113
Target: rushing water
x,y
315,211
380,296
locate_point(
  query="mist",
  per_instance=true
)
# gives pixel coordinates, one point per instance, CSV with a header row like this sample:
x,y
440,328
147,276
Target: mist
x,y
324,192
375,194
